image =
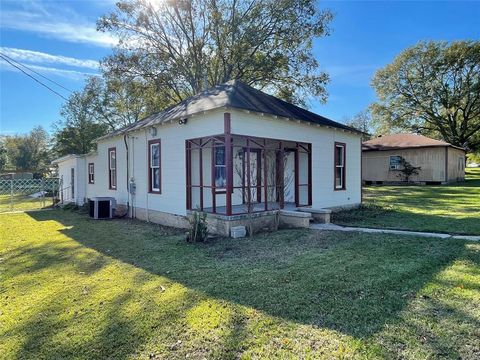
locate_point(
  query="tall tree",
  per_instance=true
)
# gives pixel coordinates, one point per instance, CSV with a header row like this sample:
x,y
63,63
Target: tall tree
x,y
361,121
432,88
180,45
3,155
29,152
76,133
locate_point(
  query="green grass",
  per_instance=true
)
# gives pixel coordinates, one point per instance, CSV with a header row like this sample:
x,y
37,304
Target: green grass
x,y
453,209
22,202
75,288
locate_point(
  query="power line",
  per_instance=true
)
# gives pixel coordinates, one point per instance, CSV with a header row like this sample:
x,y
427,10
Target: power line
x,y
34,78
36,72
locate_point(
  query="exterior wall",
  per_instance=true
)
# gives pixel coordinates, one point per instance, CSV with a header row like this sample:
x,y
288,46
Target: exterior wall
x,y
376,164
172,154
172,199
456,165
323,142
64,172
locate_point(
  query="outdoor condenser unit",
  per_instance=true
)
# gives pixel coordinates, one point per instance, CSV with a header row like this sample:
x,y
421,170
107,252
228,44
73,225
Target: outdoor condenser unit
x,y
102,207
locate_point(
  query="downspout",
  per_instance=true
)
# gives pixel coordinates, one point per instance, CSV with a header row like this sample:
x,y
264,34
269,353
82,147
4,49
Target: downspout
x,y
146,192
128,192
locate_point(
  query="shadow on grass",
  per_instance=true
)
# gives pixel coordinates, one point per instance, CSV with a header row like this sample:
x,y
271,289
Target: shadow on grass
x,y
352,283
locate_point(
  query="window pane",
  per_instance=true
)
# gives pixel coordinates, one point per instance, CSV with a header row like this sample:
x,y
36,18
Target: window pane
x,y
113,164
220,155
154,155
339,155
156,179
338,177
220,177
394,161
113,179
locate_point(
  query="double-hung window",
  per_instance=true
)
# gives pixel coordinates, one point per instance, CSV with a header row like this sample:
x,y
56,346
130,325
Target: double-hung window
x,y
91,173
154,166
339,166
112,168
220,167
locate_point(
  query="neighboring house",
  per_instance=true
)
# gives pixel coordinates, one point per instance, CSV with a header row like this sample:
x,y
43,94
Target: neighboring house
x,y
440,161
230,151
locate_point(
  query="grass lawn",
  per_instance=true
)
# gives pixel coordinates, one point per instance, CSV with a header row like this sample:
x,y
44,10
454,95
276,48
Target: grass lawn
x,y
451,209
22,202
75,288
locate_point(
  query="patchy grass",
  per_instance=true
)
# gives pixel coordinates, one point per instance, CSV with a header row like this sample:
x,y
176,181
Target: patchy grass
x,y
451,209
23,202
75,288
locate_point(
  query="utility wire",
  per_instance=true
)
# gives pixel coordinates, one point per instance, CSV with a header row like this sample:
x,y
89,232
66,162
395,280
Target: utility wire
x,y
36,72
34,78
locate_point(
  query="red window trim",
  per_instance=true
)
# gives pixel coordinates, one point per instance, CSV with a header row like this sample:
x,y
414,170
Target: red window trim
x,y
91,181
344,186
114,149
149,169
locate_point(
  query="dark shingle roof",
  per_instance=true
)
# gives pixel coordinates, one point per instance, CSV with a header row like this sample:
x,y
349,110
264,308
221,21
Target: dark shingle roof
x,y
402,141
233,94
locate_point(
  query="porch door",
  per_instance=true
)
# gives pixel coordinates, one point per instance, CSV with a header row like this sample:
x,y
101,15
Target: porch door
x,y
289,176
253,171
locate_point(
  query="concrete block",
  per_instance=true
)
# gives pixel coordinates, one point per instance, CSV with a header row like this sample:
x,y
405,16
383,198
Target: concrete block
x,y
238,232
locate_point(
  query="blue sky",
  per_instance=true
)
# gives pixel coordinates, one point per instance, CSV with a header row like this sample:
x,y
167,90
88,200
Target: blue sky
x,y
58,39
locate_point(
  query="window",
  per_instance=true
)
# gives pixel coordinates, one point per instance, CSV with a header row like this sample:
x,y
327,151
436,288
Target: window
x,y
112,168
395,161
220,167
154,166
339,166
91,173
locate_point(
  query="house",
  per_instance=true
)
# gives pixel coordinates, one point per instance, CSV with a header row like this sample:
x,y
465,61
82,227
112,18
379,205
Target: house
x,y
440,162
233,152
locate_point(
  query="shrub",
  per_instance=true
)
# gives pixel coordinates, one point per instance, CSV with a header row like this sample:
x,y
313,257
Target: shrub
x,y
198,227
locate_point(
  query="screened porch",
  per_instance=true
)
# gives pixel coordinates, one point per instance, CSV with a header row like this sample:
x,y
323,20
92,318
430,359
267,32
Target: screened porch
x,y
235,174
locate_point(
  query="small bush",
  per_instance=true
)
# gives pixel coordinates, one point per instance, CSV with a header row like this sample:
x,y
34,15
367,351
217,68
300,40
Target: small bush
x,y
198,227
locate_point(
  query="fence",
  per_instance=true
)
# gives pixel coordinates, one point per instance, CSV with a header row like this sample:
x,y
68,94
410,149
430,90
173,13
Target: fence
x,y
28,194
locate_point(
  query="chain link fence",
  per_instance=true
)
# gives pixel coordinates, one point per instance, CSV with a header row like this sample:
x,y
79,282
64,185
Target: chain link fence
x,y
28,194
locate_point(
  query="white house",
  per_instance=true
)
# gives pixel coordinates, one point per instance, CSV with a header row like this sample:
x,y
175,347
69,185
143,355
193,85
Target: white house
x,y
231,151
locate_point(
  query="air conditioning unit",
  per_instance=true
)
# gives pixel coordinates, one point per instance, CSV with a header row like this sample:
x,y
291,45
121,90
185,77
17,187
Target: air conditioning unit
x,y
102,207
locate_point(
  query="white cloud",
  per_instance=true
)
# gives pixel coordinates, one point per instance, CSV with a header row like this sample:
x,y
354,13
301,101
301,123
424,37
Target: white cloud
x,y
44,58
45,70
65,25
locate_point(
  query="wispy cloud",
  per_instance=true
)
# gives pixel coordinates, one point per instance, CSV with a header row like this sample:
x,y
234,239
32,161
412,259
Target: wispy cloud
x,y
57,22
46,70
37,57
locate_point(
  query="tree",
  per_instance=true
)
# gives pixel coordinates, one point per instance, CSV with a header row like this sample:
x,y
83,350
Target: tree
x,y
361,121
29,152
407,170
118,101
3,155
79,128
432,88
180,45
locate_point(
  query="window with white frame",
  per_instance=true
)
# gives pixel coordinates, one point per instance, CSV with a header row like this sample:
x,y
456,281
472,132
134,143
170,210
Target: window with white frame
x,y
395,162
91,173
154,166
339,166
112,168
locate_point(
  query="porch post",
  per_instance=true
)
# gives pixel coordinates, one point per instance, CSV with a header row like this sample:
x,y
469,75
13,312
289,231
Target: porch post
x,y
309,146
265,174
189,176
297,175
200,169
229,161
281,176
